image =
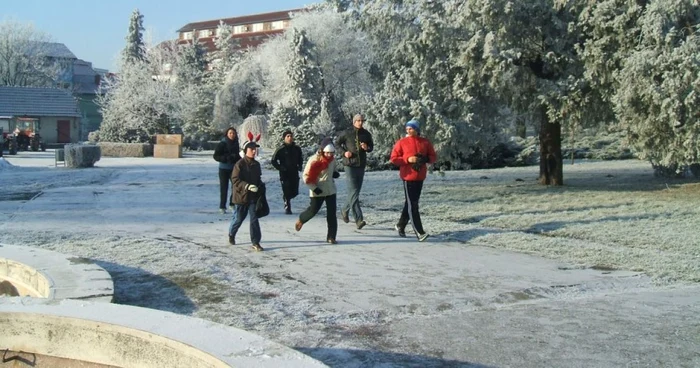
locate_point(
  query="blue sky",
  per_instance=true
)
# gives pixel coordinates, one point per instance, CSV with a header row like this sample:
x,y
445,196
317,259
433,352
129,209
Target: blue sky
x,y
95,29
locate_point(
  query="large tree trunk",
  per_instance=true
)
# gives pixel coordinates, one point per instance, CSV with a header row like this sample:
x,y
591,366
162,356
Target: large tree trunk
x,y
551,168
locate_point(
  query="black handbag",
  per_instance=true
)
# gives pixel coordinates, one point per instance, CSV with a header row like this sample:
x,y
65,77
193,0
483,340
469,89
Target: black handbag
x,y
262,209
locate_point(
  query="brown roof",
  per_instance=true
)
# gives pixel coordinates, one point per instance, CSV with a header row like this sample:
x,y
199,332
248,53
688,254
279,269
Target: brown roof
x,y
247,19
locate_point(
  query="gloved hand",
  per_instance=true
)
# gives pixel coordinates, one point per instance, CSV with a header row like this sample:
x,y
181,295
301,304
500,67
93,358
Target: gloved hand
x,y
317,191
416,166
422,159
252,187
336,175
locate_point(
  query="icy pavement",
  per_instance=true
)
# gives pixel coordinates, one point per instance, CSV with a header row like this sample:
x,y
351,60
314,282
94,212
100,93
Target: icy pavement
x,y
373,300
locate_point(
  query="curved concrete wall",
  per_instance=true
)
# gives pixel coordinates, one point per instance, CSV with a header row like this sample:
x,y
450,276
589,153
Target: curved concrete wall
x,y
26,280
46,274
126,336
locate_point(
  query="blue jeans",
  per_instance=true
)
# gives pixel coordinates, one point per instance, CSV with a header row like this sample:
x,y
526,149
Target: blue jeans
x,y
240,211
355,176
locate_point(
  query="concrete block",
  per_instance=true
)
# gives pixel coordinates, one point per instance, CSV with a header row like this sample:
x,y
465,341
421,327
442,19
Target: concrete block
x,y
174,139
167,151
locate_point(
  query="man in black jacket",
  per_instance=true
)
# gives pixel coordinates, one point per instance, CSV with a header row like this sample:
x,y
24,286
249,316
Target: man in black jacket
x,y
287,159
355,142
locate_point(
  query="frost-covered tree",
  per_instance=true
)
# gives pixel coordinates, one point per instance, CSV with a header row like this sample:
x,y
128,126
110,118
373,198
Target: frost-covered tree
x,y
135,106
305,78
141,100
281,120
225,56
658,99
527,53
296,74
418,43
196,93
135,48
24,56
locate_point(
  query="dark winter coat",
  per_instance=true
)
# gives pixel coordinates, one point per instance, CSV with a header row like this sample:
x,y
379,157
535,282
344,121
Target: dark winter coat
x,y
349,141
226,153
246,171
288,160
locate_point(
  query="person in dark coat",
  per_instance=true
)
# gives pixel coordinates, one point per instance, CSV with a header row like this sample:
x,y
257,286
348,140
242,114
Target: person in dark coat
x,y
226,153
355,143
287,159
247,181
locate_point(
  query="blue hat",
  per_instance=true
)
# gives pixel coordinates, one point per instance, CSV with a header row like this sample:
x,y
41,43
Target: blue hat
x,y
415,124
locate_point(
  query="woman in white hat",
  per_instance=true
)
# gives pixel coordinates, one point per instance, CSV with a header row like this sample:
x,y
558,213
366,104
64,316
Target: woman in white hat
x,y
318,175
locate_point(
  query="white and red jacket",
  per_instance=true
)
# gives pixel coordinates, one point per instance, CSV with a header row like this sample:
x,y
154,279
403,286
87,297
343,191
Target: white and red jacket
x,y
412,146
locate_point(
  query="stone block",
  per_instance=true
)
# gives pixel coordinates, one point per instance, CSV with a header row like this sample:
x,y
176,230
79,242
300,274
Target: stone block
x,y
173,139
167,151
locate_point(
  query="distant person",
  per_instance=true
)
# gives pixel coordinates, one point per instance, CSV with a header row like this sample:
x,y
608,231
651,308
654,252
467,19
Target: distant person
x,y
319,173
288,160
227,154
412,154
247,180
355,142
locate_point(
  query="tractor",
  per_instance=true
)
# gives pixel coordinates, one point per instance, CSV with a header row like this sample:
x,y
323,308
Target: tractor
x,y
26,136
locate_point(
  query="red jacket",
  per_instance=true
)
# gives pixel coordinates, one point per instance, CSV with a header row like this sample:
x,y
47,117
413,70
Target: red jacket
x,y
410,146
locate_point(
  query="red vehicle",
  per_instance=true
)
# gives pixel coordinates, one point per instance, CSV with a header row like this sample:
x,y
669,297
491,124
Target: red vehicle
x,y
22,135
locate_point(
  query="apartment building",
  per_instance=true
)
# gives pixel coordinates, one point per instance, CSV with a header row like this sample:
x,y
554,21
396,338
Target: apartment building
x,y
249,30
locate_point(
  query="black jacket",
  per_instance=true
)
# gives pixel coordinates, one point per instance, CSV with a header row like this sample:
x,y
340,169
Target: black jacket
x,y
288,160
226,153
349,141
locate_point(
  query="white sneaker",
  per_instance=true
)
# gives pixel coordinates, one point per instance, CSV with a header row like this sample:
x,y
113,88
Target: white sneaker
x,y
222,211
423,237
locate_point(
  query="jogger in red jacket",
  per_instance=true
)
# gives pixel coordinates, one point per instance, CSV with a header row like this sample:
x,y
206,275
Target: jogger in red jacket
x,y
412,154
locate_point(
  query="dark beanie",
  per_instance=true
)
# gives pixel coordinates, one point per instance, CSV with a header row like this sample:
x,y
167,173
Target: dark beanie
x,y
286,133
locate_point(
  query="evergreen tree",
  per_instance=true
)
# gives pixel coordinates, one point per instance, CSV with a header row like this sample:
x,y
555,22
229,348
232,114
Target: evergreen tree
x,y
526,52
196,110
421,76
134,49
304,78
658,99
281,120
225,56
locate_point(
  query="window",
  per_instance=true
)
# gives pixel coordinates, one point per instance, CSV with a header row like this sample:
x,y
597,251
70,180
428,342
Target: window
x,y
257,27
205,33
240,29
277,25
187,35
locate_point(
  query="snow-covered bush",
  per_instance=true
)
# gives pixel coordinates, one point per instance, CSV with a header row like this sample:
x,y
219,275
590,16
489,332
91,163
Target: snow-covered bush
x,y
81,155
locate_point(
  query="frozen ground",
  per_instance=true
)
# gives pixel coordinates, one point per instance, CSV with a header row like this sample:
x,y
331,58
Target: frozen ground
x,y
602,272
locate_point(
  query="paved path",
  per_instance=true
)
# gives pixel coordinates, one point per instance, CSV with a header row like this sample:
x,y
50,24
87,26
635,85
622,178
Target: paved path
x,y
373,300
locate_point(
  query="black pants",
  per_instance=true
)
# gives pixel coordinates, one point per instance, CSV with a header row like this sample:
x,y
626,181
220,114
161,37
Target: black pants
x,y
290,186
224,180
315,206
412,190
